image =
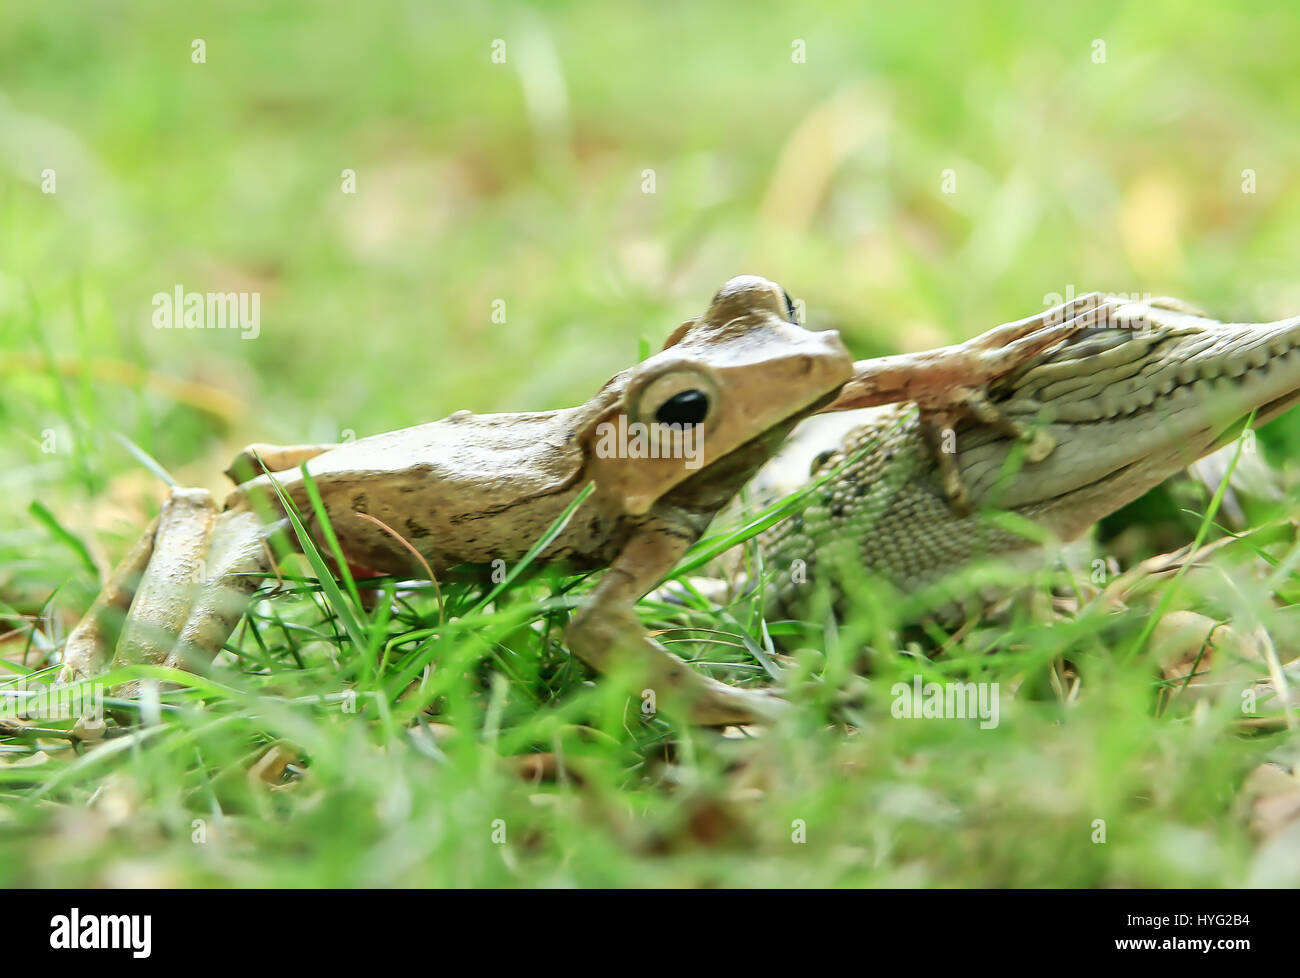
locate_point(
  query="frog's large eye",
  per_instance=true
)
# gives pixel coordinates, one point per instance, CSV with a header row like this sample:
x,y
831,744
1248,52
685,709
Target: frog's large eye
x,y
685,407
683,397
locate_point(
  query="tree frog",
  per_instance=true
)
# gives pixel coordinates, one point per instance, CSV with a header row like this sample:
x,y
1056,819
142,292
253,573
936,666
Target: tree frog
x,y
471,489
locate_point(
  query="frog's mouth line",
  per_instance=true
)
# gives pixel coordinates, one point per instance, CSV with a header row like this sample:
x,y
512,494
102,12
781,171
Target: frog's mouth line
x,y
821,402
782,428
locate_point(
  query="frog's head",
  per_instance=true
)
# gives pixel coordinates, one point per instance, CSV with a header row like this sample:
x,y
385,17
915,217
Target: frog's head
x,y
740,375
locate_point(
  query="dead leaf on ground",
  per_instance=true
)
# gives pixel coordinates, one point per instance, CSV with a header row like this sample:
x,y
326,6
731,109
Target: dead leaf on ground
x,y
1269,800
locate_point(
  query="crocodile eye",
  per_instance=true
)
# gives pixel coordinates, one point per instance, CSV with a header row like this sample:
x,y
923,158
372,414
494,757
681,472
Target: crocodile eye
x,y
821,459
686,407
789,307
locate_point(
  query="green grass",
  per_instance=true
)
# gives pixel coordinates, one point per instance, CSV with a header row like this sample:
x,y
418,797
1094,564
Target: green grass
x,y
384,721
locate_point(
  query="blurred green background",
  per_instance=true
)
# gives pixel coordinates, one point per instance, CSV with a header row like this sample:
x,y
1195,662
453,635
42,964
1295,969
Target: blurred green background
x,y
915,173
806,145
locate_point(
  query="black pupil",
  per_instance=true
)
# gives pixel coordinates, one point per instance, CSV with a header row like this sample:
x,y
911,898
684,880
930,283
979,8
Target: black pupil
x,y
789,306
685,407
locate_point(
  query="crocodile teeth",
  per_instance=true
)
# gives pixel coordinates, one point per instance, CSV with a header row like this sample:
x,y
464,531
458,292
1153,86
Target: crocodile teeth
x,y
1236,366
1257,357
1022,405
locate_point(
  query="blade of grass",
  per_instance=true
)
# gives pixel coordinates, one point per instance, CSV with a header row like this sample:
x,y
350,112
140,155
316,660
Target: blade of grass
x,y
327,528
323,574
1167,596
43,515
542,543
145,459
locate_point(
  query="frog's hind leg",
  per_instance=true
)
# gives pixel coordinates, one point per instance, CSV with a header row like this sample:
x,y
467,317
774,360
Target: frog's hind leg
x,y
192,590
212,600
93,640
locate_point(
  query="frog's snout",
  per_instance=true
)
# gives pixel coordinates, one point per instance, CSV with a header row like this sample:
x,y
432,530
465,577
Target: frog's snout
x,y
816,366
832,338
834,354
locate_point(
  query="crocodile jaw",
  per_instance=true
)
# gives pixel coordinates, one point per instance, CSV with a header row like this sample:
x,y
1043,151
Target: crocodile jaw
x,y
1131,415
1127,409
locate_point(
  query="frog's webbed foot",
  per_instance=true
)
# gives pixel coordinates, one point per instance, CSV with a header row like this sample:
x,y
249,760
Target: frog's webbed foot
x,y
946,462
952,383
179,593
939,431
607,635
603,636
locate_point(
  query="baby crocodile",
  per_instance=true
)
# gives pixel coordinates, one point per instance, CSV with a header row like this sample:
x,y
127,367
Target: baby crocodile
x,y
1127,403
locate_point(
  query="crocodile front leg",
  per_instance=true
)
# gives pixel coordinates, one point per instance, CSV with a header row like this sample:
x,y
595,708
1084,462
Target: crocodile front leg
x,y
183,589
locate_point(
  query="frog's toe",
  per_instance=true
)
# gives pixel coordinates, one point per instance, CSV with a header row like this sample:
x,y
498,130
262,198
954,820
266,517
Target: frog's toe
x,y
1038,445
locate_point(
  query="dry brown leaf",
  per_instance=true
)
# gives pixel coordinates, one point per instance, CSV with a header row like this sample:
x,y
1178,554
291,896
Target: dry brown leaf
x,y
1269,800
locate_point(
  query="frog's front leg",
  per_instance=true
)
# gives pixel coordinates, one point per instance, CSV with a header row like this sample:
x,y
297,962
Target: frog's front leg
x,y
951,383
186,584
606,634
